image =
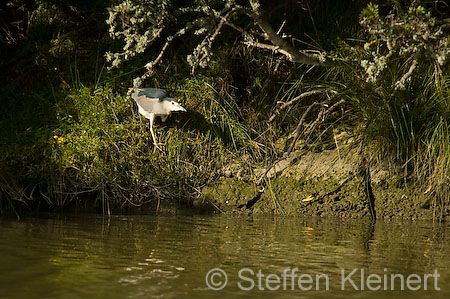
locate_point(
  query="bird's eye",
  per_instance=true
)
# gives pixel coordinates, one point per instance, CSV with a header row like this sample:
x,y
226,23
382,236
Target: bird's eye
x,y
173,103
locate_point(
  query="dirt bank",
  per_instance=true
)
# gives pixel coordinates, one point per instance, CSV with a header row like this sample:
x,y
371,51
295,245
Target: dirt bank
x,y
321,184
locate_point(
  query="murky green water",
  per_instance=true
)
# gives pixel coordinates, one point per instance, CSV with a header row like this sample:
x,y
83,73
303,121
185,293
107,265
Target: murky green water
x,y
169,257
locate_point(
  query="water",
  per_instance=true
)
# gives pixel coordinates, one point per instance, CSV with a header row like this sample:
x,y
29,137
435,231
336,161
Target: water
x,y
168,257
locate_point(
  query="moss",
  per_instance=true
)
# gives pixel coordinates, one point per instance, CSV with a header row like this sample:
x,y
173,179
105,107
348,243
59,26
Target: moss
x,y
229,194
330,197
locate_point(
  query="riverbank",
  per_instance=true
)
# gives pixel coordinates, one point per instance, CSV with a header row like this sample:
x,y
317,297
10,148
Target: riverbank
x,y
324,184
264,134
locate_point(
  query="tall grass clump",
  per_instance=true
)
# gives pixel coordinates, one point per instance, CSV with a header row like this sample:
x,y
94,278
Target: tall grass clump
x,y
402,95
433,156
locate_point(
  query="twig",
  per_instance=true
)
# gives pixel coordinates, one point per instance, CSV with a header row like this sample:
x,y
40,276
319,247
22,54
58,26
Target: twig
x,y
300,124
149,66
322,114
298,98
209,39
320,117
218,15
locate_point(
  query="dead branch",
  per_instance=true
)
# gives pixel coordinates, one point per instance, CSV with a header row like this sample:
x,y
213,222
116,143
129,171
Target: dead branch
x,y
298,98
267,47
320,117
209,39
149,66
300,125
270,34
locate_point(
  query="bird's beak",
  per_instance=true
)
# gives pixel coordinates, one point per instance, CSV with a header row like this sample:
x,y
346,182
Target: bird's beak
x,y
181,108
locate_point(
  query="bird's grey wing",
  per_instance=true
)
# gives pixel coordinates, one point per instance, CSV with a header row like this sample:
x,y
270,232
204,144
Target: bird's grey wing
x,y
153,93
148,104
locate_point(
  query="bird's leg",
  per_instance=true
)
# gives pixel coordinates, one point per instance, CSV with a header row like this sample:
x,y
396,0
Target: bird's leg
x,y
152,118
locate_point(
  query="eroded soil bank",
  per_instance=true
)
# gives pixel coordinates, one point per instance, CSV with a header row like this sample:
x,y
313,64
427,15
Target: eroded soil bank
x,y
323,184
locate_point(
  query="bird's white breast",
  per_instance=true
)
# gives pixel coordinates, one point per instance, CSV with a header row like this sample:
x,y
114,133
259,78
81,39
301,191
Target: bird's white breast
x,y
143,112
156,112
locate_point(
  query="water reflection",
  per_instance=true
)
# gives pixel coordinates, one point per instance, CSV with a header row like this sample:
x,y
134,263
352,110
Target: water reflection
x,y
141,257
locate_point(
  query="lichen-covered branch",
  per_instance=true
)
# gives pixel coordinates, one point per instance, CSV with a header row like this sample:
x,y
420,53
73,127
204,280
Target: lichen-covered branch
x,y
413,36
202,53
400,84
140,23
289,51
149,66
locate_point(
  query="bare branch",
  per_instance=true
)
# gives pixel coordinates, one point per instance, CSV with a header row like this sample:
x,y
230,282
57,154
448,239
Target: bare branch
x,y
269,47
322,114
298,98
320,117
272,36
300,124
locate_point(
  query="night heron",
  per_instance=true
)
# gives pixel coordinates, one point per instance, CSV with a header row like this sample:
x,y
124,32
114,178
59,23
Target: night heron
x,y
153,102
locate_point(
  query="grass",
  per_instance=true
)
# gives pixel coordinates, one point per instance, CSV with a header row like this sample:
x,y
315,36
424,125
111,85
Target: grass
x,y
118,151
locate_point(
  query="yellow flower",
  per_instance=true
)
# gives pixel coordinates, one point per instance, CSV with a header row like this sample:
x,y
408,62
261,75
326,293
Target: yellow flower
x,y
60,139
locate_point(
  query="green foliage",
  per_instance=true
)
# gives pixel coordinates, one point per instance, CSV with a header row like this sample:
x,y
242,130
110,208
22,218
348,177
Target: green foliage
x,y
403,100
370,12
116,155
